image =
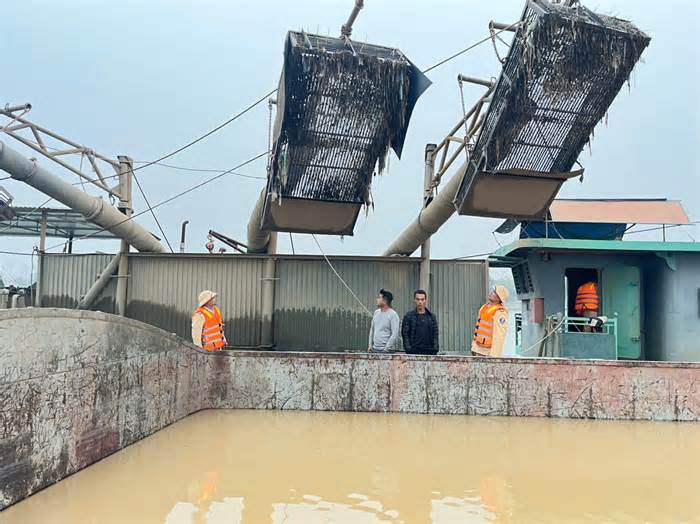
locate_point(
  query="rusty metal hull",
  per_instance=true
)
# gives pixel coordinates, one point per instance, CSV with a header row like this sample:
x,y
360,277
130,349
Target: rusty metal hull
x,y
77,386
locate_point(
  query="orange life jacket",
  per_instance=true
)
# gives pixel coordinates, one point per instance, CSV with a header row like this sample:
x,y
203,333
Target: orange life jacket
x,y
213,329
587,298
483,334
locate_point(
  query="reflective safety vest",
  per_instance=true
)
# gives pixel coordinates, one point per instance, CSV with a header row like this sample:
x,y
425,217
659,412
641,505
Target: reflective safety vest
x,y
483,335
213,329
587,298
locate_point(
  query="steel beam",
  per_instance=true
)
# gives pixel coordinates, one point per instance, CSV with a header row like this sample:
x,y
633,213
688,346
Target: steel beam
x,y
424,278
40,261
346,28
126,168
100,283
267,332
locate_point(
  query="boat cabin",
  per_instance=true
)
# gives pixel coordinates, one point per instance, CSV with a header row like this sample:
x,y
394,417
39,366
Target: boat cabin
x,y
648,291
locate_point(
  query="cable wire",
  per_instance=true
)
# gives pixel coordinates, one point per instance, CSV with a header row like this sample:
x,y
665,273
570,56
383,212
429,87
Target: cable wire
x,y
662,227
459,53
473,256
143,194
208,133
201,170
164,157
167,200
339,277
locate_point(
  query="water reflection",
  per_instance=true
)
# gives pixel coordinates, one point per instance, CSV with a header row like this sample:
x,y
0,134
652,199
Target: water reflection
x,y
294,467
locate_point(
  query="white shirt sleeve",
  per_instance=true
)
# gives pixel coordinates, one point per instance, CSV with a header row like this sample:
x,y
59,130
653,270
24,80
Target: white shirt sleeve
x,y
197,325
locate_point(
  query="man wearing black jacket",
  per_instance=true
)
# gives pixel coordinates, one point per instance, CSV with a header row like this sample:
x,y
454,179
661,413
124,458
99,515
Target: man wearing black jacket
x,y
419,329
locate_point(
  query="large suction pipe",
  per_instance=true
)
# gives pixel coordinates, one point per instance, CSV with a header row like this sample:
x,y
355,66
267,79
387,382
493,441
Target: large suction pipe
x,y
429,220
258,239
93,208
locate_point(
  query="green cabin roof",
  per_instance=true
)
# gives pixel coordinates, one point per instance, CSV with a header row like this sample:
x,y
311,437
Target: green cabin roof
x,y
521,247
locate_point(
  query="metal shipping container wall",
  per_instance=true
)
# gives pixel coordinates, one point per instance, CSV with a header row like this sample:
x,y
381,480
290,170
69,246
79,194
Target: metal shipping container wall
x,y
163,291
313,309
66,278
458,291
315,312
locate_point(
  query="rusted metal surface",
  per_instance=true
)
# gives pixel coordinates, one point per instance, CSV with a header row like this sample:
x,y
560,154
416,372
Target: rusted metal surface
x,y
76,386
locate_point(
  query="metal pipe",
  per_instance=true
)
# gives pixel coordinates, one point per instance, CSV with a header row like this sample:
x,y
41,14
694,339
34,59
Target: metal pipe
x,y
258,239
424,275
12,109
182,236
474,80
500,26
430,219
100,283
267,335
346,29
94,209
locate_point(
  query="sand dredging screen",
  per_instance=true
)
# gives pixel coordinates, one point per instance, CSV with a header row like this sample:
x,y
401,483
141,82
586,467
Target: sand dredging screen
x,y
312,467
340,106
565,67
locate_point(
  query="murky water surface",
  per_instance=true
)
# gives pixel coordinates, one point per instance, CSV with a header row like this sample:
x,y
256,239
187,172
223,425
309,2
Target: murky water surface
x,y
297,467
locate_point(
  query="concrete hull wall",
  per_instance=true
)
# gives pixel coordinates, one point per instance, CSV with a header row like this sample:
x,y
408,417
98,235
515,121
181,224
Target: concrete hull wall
x,y
76,386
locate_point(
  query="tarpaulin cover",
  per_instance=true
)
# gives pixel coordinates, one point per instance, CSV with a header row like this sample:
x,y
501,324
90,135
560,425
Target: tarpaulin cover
x,y
341,106
564,68
572,230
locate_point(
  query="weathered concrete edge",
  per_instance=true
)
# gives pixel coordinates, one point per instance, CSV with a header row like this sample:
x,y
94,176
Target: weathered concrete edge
x,y
455,358
106,317
357,382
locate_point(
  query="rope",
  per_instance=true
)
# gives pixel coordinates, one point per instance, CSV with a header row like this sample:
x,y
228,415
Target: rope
x,y
341,278
553,330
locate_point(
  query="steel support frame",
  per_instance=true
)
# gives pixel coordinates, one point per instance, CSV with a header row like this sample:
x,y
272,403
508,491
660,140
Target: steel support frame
x,y
37,142
424,275
40,260
439,207
267,330
126,167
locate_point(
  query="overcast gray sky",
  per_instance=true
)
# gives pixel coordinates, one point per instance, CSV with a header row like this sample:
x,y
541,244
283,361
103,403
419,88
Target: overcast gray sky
x,y
142,78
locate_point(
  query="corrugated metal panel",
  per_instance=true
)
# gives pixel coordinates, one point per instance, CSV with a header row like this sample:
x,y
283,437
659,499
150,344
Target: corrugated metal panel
x,y
66,278
458,290
163,291
315,312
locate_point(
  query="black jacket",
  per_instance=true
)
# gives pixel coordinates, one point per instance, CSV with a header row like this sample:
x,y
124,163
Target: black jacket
x,y
408,330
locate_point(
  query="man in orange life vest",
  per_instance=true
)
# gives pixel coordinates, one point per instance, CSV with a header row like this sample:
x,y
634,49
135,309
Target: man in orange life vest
x,y
492,325
207,325
587,302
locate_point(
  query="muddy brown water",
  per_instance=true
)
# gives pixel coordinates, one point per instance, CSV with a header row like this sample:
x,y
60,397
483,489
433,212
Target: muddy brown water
x,y
305,467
